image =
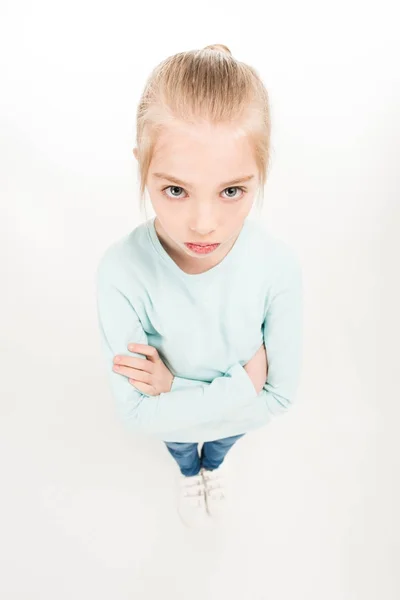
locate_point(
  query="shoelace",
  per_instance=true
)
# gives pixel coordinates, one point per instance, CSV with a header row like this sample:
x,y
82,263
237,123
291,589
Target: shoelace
x,y
213,484
193,490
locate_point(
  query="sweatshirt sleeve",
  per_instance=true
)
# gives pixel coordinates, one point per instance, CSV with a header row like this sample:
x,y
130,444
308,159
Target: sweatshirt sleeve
x,y
188,403
283,338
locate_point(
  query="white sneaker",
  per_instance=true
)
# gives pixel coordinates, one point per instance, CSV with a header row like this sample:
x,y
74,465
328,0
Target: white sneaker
x,y
191,500
215,493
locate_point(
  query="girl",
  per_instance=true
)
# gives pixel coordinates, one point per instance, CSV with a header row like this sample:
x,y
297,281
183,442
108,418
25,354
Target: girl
x,y
191,301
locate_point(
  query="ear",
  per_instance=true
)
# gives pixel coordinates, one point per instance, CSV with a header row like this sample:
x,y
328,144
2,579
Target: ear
x,y
135,153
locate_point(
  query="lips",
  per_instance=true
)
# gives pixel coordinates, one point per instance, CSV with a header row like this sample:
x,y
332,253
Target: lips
x,y
201,248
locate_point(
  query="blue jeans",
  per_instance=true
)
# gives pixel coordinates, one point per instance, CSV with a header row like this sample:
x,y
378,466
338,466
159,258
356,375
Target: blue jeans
x,y
212,454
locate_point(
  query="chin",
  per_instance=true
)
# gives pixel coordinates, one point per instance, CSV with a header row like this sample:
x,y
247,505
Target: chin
x,y
198,256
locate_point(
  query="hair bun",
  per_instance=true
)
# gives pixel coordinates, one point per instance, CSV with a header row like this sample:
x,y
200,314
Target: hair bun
x,y
219,48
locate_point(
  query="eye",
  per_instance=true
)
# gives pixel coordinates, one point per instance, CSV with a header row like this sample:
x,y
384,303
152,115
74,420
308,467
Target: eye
x,y
176,187
236,188
172,187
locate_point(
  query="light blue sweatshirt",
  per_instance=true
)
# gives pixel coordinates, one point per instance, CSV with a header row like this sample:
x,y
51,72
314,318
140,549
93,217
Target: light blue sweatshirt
x,y
206,327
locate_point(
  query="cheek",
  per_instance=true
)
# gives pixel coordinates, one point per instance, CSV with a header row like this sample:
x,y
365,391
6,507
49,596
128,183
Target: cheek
x,y
161,205
169,211
164,211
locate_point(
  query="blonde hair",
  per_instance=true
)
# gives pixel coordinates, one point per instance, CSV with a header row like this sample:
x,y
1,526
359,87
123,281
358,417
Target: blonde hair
x,y
207,85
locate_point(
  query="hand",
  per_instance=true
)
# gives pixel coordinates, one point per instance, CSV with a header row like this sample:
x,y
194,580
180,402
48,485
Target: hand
x,y
149,375
257,368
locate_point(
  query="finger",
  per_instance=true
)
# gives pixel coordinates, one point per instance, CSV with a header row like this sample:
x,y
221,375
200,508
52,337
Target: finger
x,y
142,376
143,387
149,351
136,363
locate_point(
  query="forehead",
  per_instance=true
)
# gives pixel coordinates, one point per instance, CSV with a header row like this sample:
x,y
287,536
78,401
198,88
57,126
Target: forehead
x,y
191,151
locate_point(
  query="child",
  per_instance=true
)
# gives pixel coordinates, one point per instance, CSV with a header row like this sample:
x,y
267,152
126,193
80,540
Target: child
x,y
192,301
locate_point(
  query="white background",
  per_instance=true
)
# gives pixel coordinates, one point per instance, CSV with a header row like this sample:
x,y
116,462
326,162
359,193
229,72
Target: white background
x,y
88,511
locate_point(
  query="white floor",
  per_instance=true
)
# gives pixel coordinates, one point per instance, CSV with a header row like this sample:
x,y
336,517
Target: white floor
x,y
90,516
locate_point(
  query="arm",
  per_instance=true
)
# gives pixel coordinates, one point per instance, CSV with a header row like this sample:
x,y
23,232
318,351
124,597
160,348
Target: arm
x,y
283,335
189,403
283,339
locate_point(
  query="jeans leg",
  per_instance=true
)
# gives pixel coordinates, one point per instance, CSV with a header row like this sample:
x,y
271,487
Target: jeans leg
x,y
213,453
186,455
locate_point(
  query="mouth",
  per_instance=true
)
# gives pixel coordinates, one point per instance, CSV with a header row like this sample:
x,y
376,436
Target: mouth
x,y
202,248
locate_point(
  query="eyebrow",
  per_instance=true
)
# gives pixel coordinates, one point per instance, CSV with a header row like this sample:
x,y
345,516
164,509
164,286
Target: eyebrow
x,y
188,185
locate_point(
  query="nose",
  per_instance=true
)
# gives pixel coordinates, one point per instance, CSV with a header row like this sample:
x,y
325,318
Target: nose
x,y
203,231
203,224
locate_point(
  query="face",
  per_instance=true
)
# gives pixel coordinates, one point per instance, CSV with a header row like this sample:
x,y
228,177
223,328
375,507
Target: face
x,y
197,187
